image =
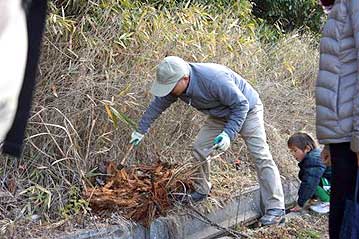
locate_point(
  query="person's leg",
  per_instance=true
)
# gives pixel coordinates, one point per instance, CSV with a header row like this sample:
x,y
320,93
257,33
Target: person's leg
x,y
254,135
201,146
344,168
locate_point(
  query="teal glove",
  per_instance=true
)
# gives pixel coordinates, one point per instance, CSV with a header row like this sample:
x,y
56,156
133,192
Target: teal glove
x,y
222,141
136,138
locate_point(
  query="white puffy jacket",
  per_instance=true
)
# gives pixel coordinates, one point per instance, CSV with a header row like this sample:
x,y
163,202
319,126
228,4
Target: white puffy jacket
x,y
337,87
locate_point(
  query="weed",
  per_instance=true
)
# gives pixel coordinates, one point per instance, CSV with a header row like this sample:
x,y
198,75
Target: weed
x,y
309,234
75,204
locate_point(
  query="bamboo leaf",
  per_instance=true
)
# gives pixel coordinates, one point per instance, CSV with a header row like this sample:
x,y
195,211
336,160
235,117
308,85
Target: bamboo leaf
x,y
124,118
111,116
124,91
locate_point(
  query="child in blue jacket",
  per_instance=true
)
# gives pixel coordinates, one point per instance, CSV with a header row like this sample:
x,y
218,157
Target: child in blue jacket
x,y
314,175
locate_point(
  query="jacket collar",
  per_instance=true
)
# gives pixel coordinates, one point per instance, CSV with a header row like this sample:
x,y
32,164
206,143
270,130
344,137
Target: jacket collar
x,y
192,78
309,155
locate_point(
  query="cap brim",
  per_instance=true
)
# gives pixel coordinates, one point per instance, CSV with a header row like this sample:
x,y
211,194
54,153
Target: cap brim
x,y
161,90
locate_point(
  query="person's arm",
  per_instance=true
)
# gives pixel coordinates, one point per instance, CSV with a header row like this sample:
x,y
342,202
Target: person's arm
x,y
354,8
310,181
230,95
156,107
36,12
13,48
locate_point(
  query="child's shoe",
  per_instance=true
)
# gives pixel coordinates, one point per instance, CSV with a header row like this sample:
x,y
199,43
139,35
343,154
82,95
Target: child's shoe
x,y
321,208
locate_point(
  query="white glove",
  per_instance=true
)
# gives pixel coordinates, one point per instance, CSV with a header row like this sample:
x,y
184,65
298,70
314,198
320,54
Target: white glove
x,y
222,141
136,138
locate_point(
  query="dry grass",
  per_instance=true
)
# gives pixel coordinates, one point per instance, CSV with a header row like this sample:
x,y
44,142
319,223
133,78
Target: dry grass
x,y
305,226
93,86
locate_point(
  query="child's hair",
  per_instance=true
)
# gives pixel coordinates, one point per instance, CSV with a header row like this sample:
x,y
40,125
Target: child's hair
x,y
301,140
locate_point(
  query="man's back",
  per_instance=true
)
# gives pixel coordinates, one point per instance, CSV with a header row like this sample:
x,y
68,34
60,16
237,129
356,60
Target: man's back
x,y
209,79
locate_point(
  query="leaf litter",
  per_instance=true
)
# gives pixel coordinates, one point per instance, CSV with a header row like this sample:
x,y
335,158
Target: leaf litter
x,y
140,192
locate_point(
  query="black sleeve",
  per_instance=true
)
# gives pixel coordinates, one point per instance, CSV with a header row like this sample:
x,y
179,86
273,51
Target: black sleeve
x,y
35,19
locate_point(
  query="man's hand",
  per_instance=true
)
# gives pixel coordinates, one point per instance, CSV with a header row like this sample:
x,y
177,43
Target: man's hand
x,y
136,138
325,155
222,141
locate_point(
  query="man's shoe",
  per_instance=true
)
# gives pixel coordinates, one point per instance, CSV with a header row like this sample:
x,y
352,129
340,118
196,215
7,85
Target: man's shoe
x,y
273,217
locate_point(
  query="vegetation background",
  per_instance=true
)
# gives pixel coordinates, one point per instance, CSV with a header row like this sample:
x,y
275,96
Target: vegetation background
x,y
98,61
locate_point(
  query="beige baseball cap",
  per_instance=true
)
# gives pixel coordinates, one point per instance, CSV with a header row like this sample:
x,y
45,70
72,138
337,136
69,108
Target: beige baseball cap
x,y
170,70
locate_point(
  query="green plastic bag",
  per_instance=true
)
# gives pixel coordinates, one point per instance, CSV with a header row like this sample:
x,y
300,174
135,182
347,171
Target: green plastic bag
x,y
323,192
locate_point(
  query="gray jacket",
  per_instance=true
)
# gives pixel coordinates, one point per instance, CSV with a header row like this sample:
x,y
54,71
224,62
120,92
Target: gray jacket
x,y
337,86
214,90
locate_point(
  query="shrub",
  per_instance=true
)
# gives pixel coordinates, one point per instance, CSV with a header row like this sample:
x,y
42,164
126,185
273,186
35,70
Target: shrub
x,y
290,14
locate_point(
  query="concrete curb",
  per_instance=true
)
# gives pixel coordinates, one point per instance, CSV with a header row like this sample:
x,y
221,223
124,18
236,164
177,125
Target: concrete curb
x,y
241,209
111,232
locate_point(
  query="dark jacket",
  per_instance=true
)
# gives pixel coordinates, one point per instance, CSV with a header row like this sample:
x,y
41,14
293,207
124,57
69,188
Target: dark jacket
x,y
311,170
214,90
